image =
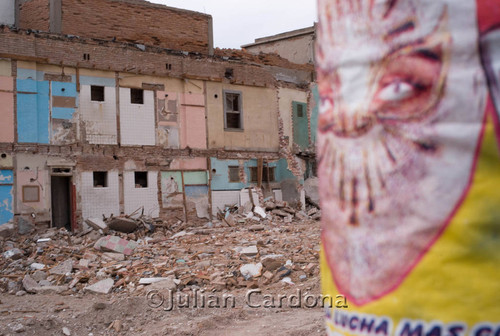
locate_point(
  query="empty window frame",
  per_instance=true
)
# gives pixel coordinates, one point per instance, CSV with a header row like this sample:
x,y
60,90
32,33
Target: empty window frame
x,y
141,179
100,179
137,96
266,171
233,112
234,174
97,93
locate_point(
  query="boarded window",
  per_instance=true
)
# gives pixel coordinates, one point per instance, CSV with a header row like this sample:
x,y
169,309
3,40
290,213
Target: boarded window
x,y
266,171
141,179
232,110
100,179
234,174
97,93
137,96
31,194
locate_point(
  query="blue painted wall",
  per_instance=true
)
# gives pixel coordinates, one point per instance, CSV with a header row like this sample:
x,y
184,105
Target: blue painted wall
x,y
33,105
63,90
6,182
220,180
33,111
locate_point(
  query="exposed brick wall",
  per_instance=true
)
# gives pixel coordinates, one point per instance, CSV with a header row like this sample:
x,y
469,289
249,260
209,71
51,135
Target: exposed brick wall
x,y
34,14
115,56
130,21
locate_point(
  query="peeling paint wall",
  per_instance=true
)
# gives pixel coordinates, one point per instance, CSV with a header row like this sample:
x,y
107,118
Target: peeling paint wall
x,y
6,195
98,117
260,118
194,131
7,103
99,201
46,105
32,171
137,121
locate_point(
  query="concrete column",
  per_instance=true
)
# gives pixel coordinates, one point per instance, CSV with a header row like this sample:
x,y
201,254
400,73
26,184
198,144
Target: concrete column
x,y
55,16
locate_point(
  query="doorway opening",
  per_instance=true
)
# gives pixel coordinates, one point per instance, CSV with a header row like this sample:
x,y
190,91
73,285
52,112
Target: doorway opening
x,y
61,201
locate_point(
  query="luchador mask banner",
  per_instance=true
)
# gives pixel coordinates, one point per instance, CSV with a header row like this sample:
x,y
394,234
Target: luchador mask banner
x,y
409,165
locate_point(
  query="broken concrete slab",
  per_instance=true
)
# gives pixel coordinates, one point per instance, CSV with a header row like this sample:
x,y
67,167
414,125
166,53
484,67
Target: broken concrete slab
x,y
115,244
13,254
101,287
121,224
249,251
97,224
29,284
63,268
166,284
201,205
251,270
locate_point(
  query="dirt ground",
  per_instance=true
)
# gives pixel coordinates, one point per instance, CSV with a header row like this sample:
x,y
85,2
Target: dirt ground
x,y
203,262
92,314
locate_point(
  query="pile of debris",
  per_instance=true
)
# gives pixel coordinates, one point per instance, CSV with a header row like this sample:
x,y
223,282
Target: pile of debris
x,y
272,210
249,247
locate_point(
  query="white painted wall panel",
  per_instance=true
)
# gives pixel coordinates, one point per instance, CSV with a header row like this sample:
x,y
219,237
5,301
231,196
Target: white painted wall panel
x,y
99,117
137,121
221,198
138,197
100,201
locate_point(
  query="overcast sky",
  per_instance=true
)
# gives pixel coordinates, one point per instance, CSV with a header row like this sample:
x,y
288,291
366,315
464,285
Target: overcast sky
x,y
241,22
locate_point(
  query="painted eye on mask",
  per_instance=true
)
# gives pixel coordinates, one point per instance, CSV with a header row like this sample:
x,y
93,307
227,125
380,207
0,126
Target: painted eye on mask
x,y
396,91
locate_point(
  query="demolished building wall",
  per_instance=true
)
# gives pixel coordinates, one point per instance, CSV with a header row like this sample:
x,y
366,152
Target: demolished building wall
x,y
113,125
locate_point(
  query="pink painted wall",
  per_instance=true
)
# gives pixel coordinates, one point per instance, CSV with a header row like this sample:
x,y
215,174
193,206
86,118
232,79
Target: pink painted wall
x,y
193,125
189,164
195,130
6,109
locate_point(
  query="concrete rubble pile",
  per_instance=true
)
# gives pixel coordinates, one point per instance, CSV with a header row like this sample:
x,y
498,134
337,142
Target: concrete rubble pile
x,y
247,247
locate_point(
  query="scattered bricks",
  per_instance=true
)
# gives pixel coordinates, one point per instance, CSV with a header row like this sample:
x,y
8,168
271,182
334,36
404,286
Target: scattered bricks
x,y
289,210
301,215
101,287
280,213
268,275
255,228
316,216
269,205
312,211
310,268
115,244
